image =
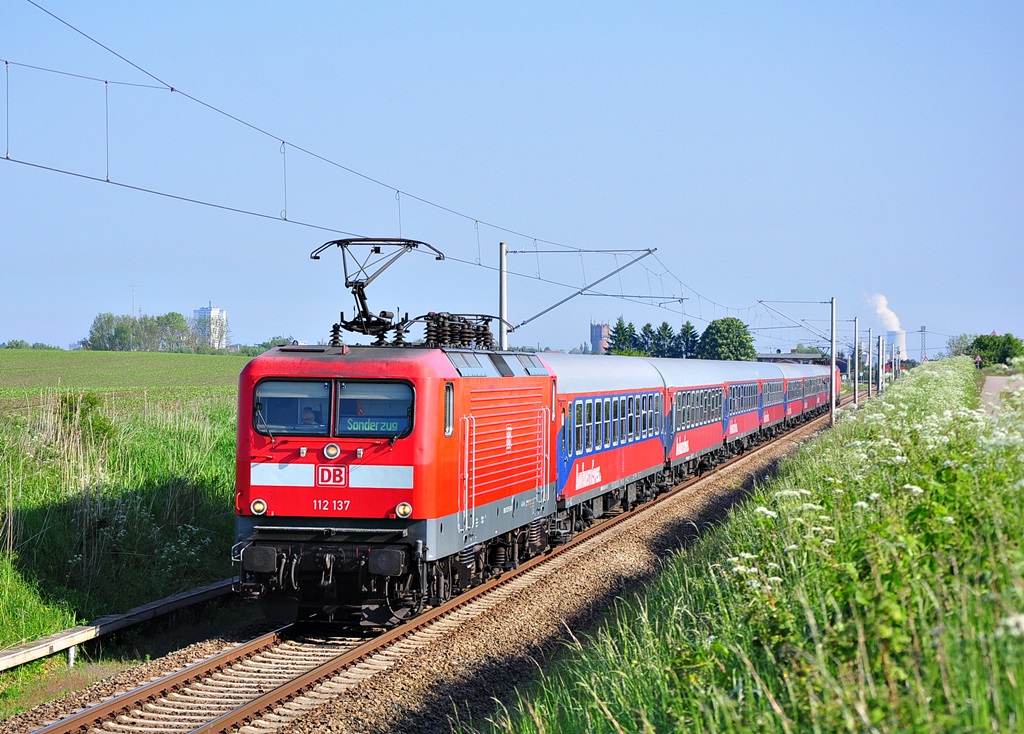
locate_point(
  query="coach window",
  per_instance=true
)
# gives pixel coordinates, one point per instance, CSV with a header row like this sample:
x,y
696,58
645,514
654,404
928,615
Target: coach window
x,y
300,407
566,433
643,417
449,408
598,424
607,423
380,409
622,420
615,421
578,426
590,425
629,418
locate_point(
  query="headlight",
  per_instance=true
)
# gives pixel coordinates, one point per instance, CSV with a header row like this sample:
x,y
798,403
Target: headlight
x,y
331,451
258,507
403,510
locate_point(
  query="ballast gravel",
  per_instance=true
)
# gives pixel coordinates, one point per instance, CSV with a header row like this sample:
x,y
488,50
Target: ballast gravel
x,y
73,702
464,676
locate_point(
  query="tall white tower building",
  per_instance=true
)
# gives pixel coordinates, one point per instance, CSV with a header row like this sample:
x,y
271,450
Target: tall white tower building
x,y
212,326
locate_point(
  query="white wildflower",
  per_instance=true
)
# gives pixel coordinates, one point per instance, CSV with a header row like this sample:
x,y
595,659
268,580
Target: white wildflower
x,y
1012,625
828,541
765,511
874,496
949,520
913,489
861,505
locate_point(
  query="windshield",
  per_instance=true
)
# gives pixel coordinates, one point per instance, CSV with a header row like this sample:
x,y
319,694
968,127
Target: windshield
x,y
282,407
373,409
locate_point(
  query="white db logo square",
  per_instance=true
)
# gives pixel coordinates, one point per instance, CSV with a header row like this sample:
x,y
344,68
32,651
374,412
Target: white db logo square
x,y
331,476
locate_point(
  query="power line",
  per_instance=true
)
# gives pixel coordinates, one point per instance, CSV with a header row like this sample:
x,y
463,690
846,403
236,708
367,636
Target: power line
x,y
284,145
187,199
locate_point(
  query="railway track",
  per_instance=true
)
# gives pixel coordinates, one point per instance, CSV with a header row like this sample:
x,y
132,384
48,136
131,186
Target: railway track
x,y
269,682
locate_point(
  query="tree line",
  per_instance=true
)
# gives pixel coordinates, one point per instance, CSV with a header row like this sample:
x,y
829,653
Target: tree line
x,y
169,332
726,338
992,348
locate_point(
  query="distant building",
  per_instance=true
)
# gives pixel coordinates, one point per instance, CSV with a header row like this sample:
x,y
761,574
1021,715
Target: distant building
x,y
212,326
600,337
793,357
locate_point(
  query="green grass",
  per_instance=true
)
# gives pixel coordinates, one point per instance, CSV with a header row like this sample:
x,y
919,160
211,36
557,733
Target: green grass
x,y
116,482
132,375
874,585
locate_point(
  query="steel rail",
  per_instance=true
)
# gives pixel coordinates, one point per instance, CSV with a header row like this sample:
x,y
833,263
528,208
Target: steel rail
x,y
92,717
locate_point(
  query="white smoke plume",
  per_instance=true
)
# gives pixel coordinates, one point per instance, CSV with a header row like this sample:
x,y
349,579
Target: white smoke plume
x,y
890,321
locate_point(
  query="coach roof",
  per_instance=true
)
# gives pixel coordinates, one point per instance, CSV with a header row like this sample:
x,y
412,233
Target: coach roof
x,y
583,373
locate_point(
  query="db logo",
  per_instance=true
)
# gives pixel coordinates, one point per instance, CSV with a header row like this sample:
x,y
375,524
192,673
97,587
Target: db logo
x,y
331,476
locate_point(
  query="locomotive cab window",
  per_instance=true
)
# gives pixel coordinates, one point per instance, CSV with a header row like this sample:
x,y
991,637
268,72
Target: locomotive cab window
x,y
300,407
381,409
449,409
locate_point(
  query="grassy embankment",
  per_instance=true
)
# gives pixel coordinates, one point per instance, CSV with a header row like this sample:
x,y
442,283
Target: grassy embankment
x,y
116,473
875,585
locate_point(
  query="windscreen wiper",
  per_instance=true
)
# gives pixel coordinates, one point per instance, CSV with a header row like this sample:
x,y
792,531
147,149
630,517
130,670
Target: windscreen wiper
x,y
260,416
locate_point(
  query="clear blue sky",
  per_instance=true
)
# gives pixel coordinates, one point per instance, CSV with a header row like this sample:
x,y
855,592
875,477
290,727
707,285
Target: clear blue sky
x,y
769,151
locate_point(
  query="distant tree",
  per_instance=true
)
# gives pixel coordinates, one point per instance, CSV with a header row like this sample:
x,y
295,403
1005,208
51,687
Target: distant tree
x,y
664,342
175,335
645,339
802,349
686,341
960,344
621,337
997,349
632,339
110,333
40,345
726,338
16,344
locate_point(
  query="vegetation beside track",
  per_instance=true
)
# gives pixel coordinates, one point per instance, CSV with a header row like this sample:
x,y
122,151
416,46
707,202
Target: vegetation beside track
x,y
117,482
875,584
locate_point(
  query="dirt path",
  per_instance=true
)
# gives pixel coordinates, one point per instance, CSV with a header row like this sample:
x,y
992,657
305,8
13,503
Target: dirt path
x,y
993,388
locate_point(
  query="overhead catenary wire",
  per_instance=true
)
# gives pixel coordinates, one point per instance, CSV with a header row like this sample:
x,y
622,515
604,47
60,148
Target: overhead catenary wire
x,y
161,84
186,199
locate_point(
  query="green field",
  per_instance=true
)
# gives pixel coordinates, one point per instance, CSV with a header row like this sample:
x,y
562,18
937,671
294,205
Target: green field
x,y
117,476
24,373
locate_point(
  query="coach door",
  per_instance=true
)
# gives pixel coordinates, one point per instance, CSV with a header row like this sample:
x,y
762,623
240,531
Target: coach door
x,y
467,474
543,458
